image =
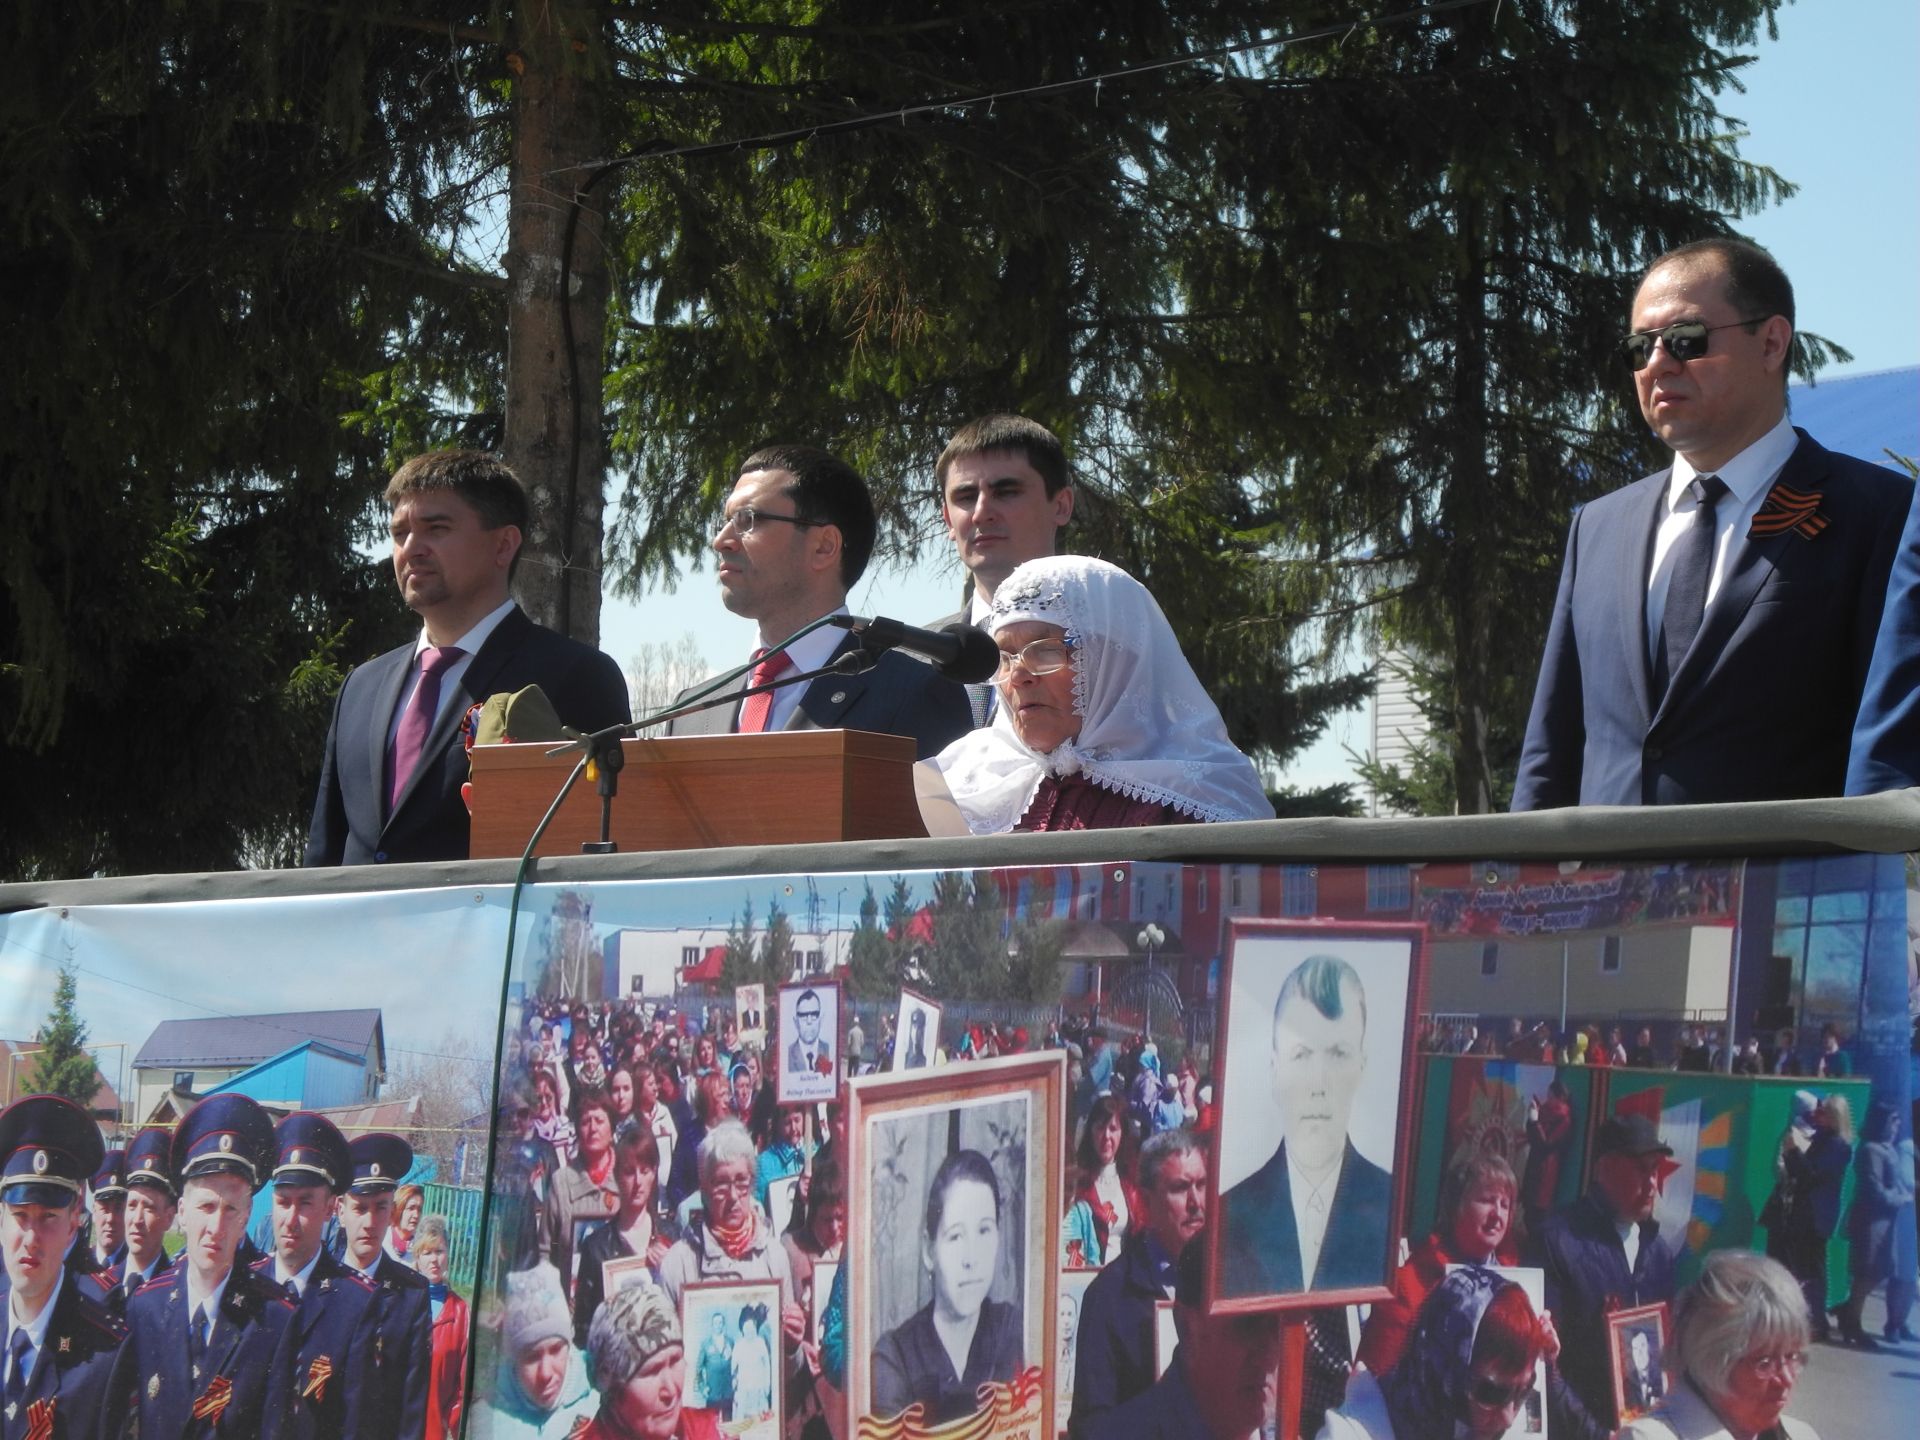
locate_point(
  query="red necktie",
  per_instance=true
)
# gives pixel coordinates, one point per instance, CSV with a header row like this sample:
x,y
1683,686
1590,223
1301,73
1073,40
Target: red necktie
x,y
755,709
417,719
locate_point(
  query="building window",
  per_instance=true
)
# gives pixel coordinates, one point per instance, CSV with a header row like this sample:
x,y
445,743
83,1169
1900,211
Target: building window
x,y
1389,887
1200,891
183,1080
1167,907
689,955
1299,890
814,966
1490,958
1139,895
1610,955
1828,914
1233,888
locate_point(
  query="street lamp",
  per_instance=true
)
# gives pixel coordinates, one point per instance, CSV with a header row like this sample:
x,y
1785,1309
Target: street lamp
x,y
1150,939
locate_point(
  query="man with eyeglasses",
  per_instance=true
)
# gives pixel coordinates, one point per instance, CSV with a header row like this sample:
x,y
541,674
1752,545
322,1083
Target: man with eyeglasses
x,y
808,1053
796,536
1005,495
1715,621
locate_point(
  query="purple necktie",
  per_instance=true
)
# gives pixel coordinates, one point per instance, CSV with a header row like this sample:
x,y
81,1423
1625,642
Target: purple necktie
x,y
417,719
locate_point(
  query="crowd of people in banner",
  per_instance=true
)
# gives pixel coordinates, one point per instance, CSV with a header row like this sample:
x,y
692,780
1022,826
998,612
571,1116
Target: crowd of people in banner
x,y
614,1089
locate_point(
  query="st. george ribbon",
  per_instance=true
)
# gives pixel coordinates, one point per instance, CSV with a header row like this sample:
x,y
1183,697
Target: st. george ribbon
x,y
959,652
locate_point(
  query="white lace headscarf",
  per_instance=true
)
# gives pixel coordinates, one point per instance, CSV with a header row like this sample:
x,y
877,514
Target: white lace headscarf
x,y
1148,730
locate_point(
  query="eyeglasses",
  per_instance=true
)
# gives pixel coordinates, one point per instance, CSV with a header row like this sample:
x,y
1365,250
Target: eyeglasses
x,y
806,1014
746,518
1042,657
1685,340
1771,1367
1495,1396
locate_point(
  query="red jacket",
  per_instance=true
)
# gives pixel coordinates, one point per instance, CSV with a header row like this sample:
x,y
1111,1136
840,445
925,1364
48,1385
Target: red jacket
x,y
694,1425
1392,1320
447,1371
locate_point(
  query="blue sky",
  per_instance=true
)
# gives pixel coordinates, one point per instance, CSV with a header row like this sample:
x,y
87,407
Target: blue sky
x,y
1831,105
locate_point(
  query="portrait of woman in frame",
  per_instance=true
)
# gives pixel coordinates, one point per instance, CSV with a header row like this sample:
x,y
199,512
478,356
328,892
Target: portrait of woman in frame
x,y
955,1318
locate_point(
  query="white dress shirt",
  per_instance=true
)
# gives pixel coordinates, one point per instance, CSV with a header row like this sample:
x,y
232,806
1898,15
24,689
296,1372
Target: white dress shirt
x,y
809,652
469,645
1748,476
1312,1209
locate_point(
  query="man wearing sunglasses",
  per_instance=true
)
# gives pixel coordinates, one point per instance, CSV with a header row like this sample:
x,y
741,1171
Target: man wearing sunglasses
x,y
1715,621
796,535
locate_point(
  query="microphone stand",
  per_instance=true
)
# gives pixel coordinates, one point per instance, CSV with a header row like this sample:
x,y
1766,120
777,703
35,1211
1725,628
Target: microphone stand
x,y
602,757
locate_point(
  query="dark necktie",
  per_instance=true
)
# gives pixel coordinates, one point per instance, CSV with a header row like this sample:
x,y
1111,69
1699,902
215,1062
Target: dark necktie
x,y
755,709
417,719
1687,577
19,1359
293,1292
197,1338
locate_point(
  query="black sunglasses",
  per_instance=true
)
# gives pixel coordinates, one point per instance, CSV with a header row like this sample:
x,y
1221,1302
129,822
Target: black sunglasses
x,y
1495,1396
1685,340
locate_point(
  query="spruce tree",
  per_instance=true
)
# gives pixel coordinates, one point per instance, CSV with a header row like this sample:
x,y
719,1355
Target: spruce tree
x,y
62,1065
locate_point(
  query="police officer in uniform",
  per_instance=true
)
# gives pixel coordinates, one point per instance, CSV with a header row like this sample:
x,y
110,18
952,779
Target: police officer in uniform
x,y
58,1340
333,1393
209,1349
108,1189
148,1208
402,1308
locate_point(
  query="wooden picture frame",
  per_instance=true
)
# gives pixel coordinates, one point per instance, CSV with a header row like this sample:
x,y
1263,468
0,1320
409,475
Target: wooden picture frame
x,y
984,1132
1532,1419
702,1304
795,1082
821,1289
1332,1088
1637,1391
750,1004
912,1002
1074,1280
622,1273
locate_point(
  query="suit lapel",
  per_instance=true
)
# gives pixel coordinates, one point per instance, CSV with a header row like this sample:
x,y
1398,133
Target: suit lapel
x,y
176,1363
828,698
387,689
1633,571
1750,563
1286,1232
718,719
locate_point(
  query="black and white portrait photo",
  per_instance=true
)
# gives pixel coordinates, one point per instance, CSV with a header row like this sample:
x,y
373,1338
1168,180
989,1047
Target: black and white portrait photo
x,y
732,1349
1317,1021
1638,1337
809,1064
955,1317
916,1034
750,1012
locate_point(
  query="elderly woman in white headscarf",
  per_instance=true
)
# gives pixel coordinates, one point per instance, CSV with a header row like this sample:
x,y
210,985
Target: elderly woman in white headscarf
x,y
1099,722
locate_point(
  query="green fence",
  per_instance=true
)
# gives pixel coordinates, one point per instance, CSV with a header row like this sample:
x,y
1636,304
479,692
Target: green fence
x,y
461,1206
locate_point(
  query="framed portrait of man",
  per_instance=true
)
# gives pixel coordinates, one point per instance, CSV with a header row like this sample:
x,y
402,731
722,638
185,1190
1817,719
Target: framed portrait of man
x,y
955,1189
916,1032
808,1066
750,1013
1317,1063
730,1333
1637,1346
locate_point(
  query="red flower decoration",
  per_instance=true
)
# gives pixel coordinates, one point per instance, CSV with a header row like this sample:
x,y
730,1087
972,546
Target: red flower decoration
x,y
823,1065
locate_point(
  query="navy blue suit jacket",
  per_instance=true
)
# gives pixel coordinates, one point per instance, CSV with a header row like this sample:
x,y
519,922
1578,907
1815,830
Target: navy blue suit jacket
x,y
331,1357
153,1387
1762,706
1260,1249
351,825
1886,737
899,696
1113,1350
73,1366
401,1318
1165,1410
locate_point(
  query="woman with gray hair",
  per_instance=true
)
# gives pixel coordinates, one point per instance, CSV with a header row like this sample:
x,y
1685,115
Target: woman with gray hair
x,y
640,1370
1740,1334
729,1237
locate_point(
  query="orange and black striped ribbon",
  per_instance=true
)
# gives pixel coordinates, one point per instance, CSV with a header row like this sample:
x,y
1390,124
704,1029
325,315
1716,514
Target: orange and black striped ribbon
x,y
219,1394
1788,509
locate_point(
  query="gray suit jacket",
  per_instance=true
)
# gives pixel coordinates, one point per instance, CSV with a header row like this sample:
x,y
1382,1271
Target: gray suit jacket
x,y
899,696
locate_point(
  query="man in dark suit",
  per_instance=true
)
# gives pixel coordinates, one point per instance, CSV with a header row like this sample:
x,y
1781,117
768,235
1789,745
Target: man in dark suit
x,y
798,532
1314,1217
1715,621
395,760
1005,494
207,1348
1886,737
1113,1352
807,1051
57,1340
150,1207
1222,1382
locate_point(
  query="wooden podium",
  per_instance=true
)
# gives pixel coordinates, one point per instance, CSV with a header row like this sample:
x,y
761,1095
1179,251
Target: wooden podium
x,y
789,787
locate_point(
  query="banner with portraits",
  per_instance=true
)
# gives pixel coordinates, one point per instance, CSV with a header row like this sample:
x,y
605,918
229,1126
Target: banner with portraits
x,y
527,1080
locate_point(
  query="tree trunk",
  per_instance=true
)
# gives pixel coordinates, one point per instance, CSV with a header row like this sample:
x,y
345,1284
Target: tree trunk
x,y
554,432
1470,501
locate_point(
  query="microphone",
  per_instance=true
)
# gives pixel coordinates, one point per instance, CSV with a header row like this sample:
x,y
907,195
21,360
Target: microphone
x,y
958,652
